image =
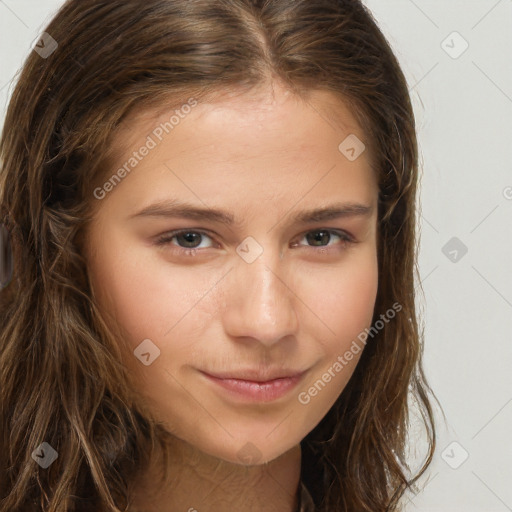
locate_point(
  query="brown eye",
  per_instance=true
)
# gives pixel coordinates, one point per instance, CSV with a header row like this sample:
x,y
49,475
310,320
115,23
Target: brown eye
x,y
318,237
187,239
321,238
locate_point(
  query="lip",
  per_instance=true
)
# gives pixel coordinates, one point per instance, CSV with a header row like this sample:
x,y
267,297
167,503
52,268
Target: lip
x,y
252,386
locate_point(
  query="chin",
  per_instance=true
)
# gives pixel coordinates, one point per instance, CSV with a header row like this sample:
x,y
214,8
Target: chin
x,y
251,451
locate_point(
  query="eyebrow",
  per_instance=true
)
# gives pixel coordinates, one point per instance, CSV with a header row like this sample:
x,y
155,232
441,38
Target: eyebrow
x,y
180,209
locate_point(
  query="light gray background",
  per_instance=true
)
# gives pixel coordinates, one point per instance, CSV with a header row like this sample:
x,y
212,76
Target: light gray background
x,y
463,107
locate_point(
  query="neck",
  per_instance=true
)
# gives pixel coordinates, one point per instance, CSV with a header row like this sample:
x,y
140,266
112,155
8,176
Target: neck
x,y
198,482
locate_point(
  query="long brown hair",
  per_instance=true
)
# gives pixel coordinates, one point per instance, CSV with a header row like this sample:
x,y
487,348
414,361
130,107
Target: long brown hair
x,y
61,380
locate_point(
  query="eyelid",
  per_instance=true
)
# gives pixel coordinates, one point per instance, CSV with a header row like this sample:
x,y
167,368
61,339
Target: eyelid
x,y
165,238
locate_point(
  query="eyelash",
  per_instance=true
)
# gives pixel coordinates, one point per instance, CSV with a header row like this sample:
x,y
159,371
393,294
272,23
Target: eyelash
x,y
165,240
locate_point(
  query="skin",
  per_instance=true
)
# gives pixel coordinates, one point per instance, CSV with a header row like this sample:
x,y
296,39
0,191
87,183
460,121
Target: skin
x,y
262,156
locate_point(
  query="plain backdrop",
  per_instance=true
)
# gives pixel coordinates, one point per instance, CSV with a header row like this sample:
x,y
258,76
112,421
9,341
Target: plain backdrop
x,y
458,62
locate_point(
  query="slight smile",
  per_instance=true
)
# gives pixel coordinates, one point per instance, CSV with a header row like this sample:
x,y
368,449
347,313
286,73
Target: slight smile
x,y
256,390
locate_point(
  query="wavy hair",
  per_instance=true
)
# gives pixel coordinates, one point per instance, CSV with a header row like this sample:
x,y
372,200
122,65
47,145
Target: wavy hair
x,y
61,379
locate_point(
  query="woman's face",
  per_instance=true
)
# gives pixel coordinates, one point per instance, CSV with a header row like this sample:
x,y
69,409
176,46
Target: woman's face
x,y
232,327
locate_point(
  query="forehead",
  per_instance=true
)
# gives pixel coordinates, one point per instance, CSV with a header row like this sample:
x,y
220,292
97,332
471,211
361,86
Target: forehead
x,y
231,114
269,145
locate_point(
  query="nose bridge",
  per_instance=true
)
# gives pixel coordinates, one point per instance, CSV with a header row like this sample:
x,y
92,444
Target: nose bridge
x,y
266,288
261,304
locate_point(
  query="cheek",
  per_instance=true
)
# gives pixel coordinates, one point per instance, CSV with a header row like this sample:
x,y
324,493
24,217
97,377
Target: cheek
x,y
344,300
126,294
145,299
345,308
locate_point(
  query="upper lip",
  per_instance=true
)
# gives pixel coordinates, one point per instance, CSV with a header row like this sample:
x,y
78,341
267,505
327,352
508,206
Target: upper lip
x,y
256,375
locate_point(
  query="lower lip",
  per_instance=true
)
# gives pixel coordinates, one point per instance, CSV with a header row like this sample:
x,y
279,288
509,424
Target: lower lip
x,y
257,391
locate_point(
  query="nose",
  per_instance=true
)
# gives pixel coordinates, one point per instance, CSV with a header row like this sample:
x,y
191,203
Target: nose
x,y
260,302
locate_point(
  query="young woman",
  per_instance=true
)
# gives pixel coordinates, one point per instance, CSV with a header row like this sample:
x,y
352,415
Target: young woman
x,y
208,262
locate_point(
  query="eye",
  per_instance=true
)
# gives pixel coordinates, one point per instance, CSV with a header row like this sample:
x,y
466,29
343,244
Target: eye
x,y
316,237
191,240
188,237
